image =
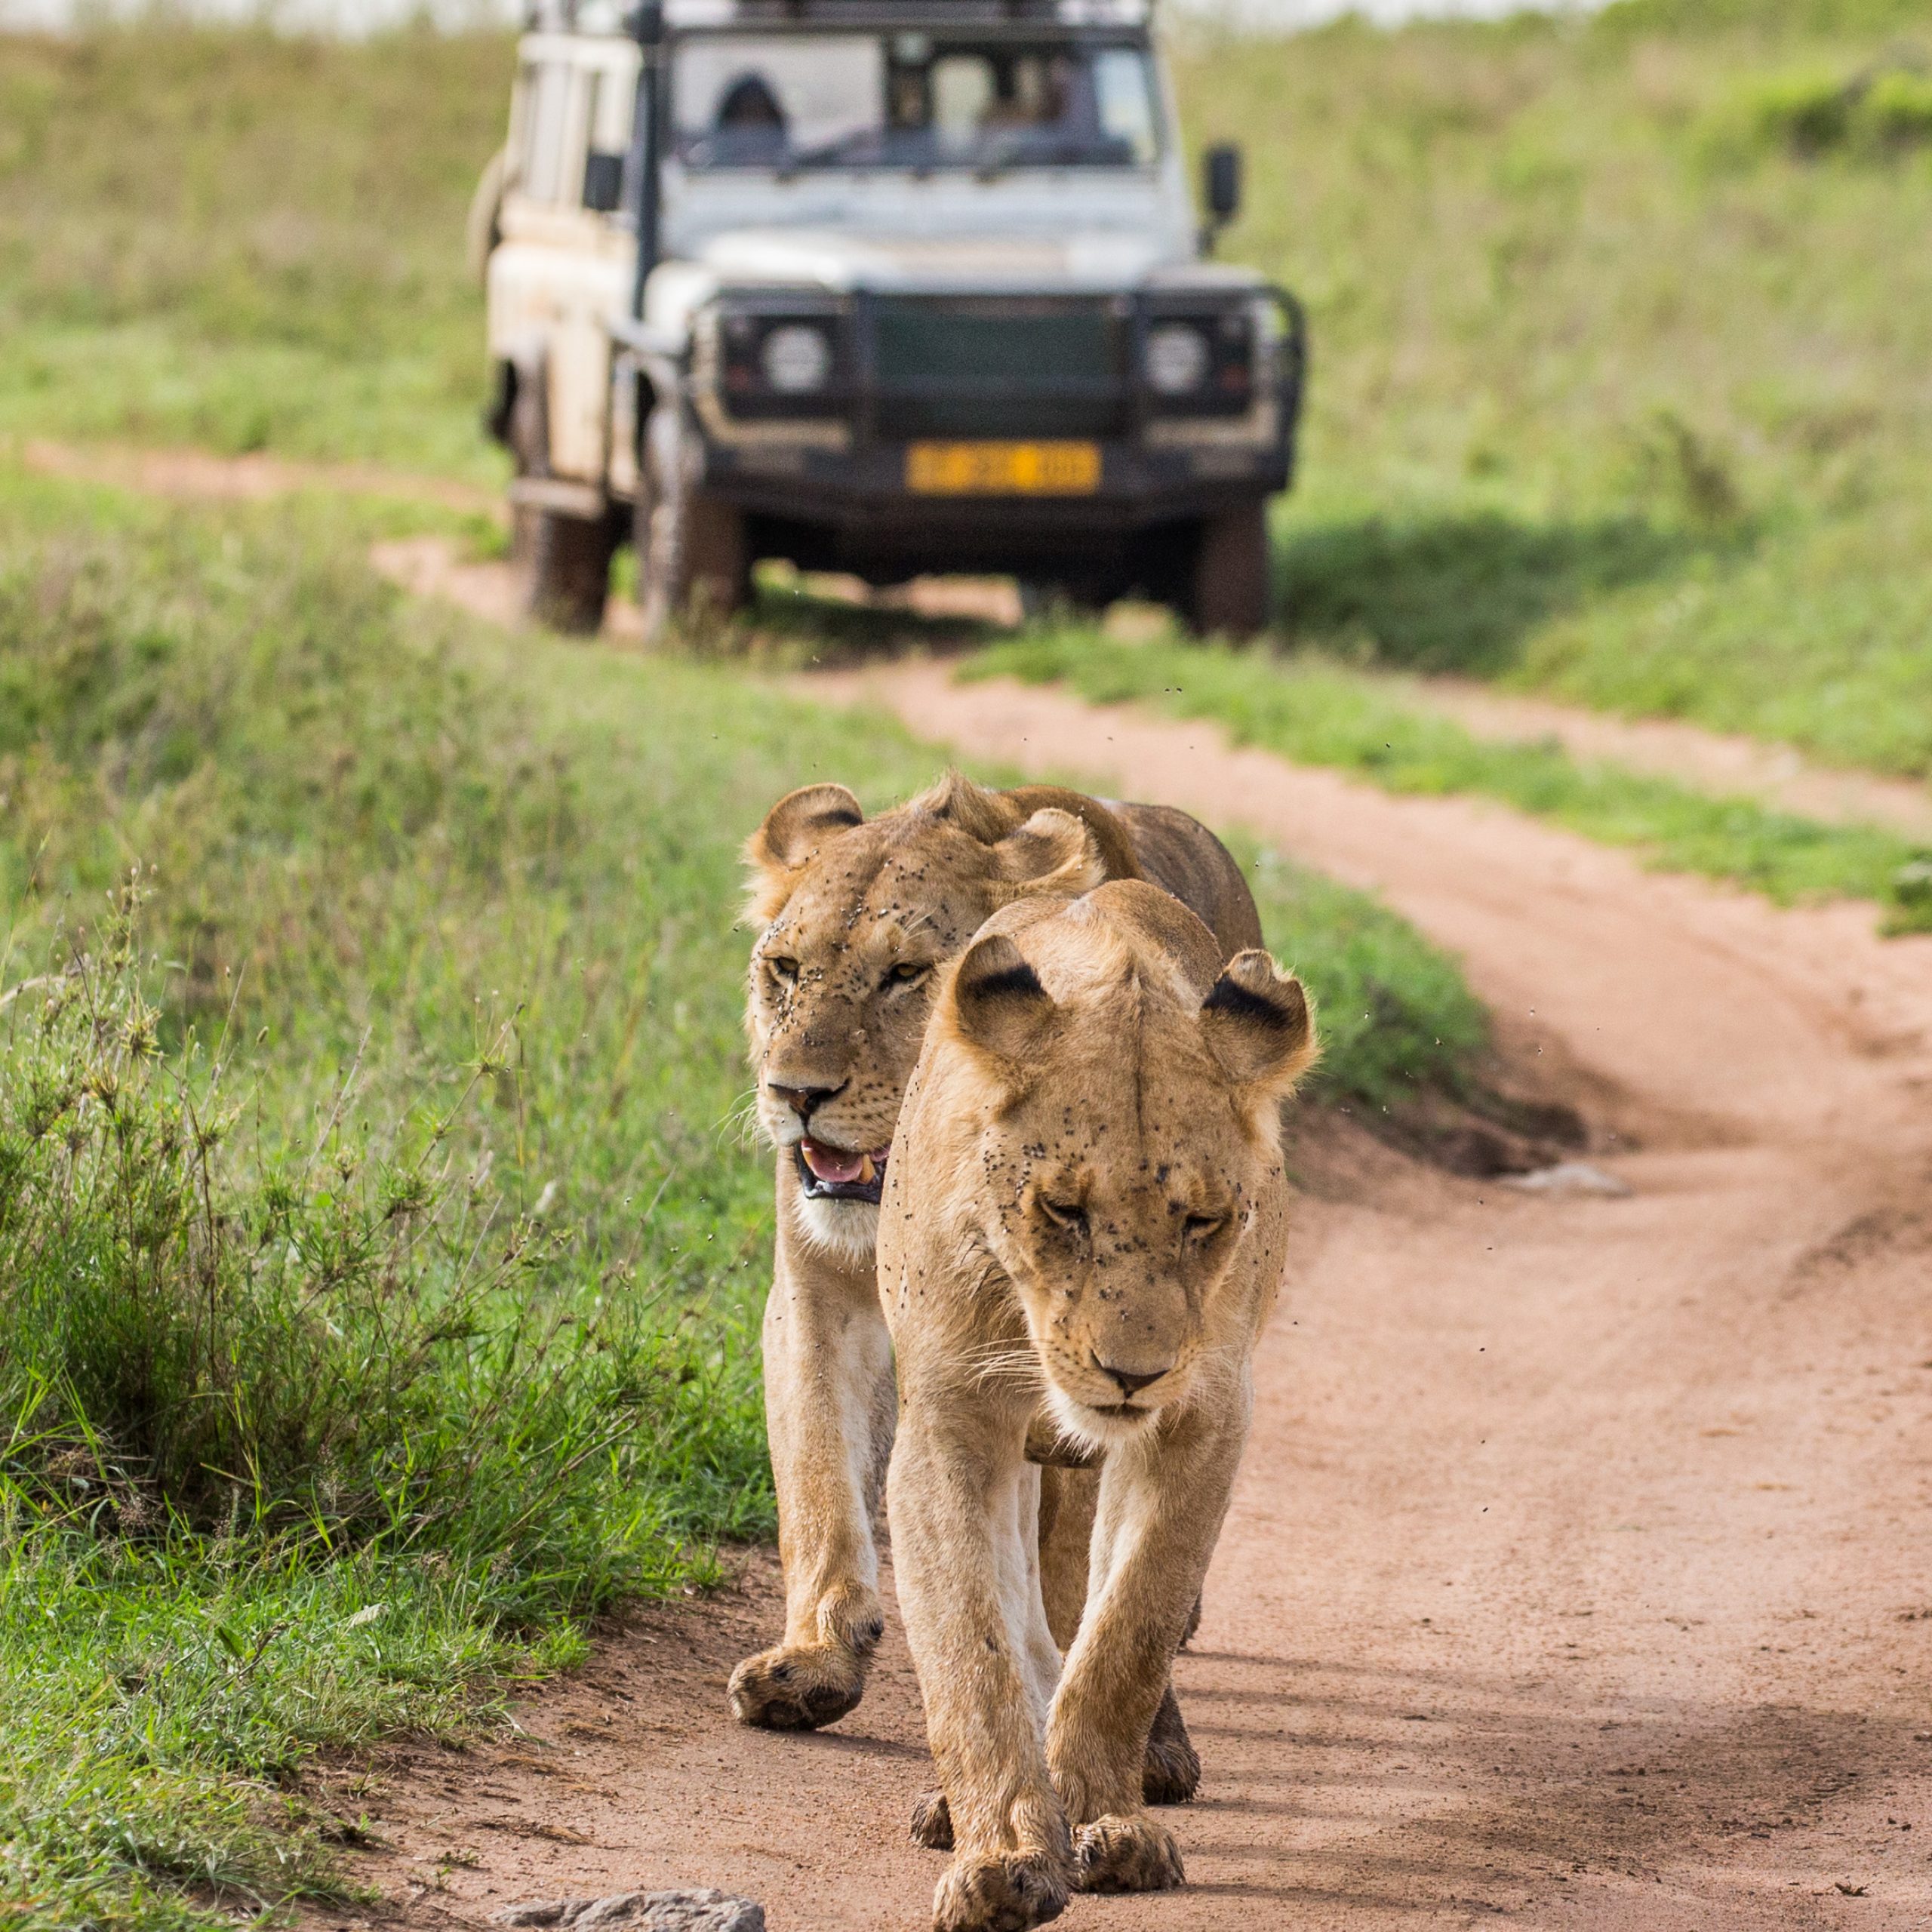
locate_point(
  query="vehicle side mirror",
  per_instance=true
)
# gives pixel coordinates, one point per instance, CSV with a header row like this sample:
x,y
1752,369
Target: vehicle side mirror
x,y
603,182
1221,171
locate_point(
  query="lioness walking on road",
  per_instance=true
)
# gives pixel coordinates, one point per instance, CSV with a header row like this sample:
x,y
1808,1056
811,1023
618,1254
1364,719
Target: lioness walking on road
x,y
1086,1217
858,917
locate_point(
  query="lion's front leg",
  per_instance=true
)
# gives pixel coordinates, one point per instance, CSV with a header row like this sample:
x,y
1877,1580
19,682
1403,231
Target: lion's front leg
x,y
828,1408
1160,1506
1069,1498
964,1518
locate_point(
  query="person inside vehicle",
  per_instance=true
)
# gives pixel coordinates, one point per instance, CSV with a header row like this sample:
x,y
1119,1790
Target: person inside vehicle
x,y
749,130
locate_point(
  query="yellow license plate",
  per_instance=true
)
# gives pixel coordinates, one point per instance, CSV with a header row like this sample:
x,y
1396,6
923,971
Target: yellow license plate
x,y
1003,469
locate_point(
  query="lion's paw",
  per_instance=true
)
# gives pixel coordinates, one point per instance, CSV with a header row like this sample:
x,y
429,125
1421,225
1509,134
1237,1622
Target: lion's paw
x,y
796,1689
1006,1892
932,1822
1126,1854
1171,1774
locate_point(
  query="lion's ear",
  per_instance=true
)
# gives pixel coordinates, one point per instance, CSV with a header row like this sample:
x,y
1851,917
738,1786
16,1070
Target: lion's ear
x,y
966,806
793,830
1053,851
998,1002
1258,1025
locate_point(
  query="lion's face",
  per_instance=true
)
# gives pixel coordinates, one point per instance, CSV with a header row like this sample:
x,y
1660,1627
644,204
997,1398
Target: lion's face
x,y
860,916
1128,1130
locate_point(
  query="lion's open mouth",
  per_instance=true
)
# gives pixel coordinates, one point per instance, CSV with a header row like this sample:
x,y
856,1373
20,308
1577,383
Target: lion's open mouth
x,y
837,1174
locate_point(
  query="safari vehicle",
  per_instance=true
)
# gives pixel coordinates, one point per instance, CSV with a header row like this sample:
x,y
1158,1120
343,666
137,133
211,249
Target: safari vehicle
x,y
883,286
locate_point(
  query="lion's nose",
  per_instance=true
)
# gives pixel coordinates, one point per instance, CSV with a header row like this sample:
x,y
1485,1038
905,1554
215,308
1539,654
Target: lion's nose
x,y
802,1100
1130,1383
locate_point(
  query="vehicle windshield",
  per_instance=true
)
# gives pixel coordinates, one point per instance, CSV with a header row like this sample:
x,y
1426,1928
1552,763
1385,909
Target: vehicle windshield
x,y
914,100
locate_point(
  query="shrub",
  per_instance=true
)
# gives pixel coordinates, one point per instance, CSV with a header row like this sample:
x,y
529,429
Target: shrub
x,y
1896,110
1806,113
1879,112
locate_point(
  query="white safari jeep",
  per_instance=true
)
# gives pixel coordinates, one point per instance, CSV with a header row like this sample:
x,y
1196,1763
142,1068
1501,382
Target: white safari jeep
x,y
886,287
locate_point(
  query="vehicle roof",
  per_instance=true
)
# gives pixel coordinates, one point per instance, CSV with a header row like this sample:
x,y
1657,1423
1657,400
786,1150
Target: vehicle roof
x,y
613,16
909,14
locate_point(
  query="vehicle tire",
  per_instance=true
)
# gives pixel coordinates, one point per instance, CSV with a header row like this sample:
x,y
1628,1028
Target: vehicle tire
x,y
527,437
565,566
562,563
1229,582
693,551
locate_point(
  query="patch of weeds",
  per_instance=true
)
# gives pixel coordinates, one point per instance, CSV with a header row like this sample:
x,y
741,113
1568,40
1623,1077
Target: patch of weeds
x,y
292,1447
1911,910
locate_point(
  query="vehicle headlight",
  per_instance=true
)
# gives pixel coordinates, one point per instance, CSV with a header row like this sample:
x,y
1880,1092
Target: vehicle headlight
x,y
778,361
1176,359
795,359
1201,363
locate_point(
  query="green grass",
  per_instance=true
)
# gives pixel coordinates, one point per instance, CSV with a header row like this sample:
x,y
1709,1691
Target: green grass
x,y
1606,402
1316,712
161,1697
247,241
380,1250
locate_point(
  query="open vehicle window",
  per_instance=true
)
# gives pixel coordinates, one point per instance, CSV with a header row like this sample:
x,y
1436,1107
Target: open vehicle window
x,y
915,100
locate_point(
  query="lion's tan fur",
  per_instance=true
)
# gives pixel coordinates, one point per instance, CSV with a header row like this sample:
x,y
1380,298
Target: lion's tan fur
x,y
847,899
1088,1215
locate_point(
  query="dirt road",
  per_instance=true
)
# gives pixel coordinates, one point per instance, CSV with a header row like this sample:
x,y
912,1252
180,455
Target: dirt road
x,y
1578,1575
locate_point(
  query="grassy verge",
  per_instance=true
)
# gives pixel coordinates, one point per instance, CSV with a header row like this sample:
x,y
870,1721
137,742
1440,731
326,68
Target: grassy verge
x,y
1395,1014
1315,712
380,1251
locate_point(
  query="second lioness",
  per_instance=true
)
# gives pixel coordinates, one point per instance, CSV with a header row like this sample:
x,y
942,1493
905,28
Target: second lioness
x,y
857,916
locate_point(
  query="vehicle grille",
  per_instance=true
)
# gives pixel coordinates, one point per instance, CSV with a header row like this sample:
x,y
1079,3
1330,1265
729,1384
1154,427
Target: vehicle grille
x,y
999,366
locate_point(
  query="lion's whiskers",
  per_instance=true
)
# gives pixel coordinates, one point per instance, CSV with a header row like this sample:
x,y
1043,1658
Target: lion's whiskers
x,y
1015,1362
739,1122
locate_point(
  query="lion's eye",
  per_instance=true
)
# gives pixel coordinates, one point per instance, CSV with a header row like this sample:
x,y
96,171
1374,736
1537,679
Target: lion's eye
x,y
909,973
1203,1227
1067,1215
781,968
